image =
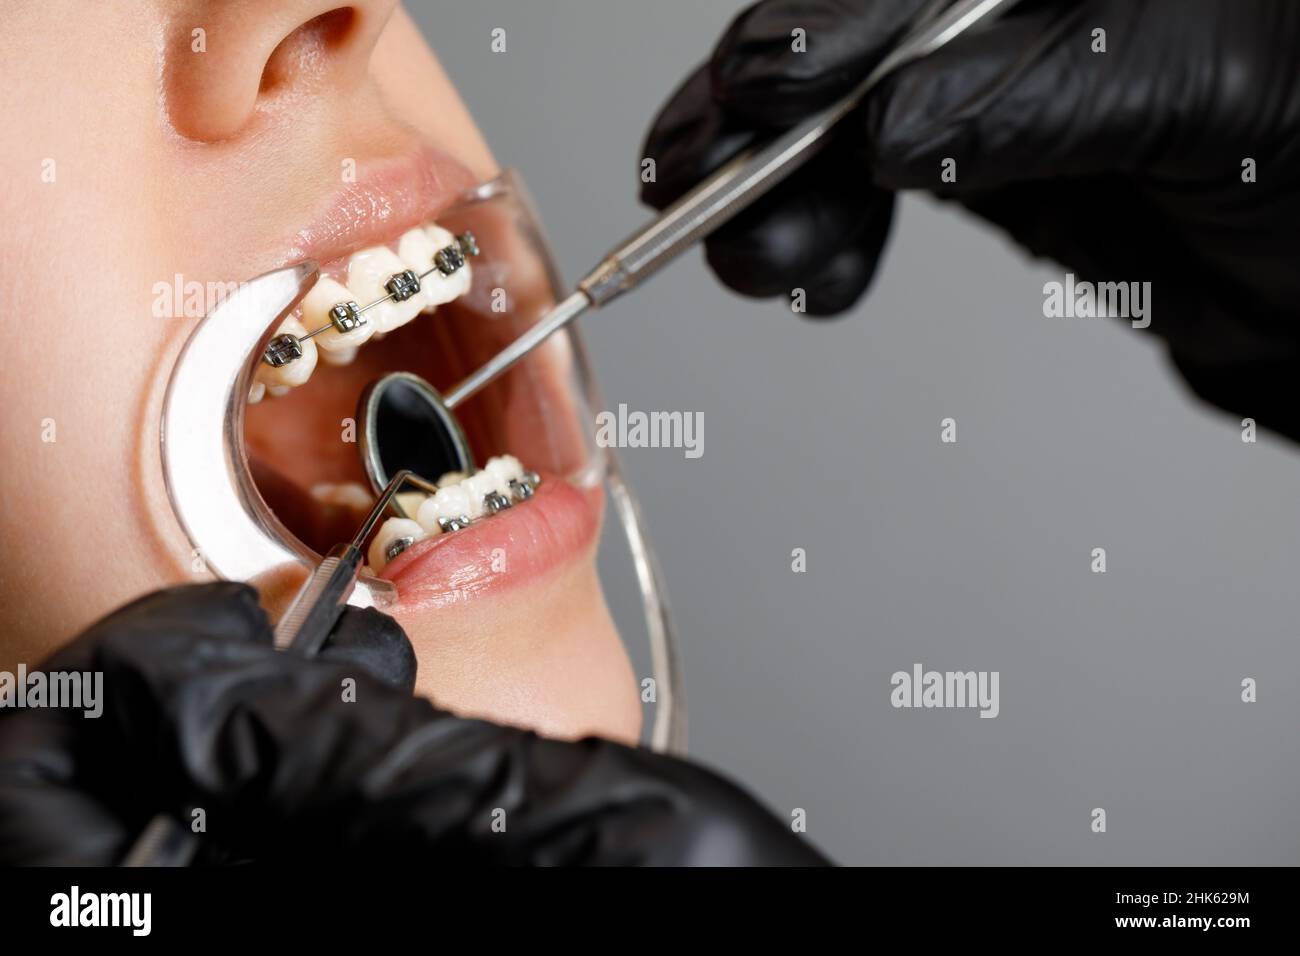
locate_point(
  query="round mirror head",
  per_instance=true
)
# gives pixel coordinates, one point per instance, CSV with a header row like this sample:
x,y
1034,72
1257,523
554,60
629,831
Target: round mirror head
x,y
404,424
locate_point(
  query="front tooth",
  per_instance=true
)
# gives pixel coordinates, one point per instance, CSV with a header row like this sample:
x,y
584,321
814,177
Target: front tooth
x,y
316,305
390,531
451,502
256,392
294,373
368,272
439,288
478,487
416,249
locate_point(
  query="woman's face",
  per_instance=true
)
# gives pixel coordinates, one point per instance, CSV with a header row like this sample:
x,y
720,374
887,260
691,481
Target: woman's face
x,y
156,142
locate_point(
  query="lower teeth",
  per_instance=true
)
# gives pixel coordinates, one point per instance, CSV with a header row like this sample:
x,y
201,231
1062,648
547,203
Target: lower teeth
x,y
398,546
453,508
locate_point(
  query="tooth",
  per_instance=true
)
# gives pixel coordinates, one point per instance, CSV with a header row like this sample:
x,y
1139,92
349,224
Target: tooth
x,y
505,468
368,271
416,249
478,487
342,356
278,391
316,305
392,530
451,502
439,288
411,501
294,373
349,494
451,478
256,392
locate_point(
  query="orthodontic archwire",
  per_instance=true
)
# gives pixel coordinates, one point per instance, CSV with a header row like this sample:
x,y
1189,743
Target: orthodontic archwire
x,y
348,316
519,490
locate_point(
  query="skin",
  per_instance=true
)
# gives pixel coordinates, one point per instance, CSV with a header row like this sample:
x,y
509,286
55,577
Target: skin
x,y
172,161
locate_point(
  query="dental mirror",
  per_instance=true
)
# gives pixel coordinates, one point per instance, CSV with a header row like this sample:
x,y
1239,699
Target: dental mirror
x,y
406,426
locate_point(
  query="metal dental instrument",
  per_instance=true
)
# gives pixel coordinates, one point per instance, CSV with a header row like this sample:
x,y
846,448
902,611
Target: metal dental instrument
x,y
319,603
724,194
403,424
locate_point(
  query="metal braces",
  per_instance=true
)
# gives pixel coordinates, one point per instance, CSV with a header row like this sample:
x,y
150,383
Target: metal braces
x,y
347,316
398,546
521,489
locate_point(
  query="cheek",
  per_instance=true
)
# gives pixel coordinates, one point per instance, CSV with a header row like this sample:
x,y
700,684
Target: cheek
x,y
410,79
82,227
546,657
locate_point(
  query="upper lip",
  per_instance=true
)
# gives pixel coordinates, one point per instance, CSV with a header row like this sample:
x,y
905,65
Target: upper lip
x,y
389,196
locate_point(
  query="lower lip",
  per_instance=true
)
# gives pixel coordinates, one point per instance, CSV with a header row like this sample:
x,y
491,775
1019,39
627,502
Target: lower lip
x,y
553,528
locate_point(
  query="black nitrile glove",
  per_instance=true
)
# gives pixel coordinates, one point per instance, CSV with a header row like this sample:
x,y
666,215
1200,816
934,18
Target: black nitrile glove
x,y
200,711
1124,166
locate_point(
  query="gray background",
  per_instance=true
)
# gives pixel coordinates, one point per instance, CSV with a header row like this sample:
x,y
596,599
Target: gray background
x,y
1119,690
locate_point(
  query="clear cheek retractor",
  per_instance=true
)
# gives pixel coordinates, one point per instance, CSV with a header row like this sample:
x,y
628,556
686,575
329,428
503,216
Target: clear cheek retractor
x,y
237,535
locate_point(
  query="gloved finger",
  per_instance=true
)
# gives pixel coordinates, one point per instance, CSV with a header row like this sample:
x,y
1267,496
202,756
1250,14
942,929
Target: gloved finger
x,y
755,83
761,74
690,138
1028,98
374,641
849,272
823,233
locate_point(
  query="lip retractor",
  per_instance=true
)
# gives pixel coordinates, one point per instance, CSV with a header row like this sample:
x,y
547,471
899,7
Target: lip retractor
x,y
205,466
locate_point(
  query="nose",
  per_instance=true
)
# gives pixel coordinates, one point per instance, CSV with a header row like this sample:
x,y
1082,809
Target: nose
x,y
225,60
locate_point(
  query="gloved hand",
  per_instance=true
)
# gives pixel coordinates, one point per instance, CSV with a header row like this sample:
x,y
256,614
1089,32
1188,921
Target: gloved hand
x,y
201,711
1125,165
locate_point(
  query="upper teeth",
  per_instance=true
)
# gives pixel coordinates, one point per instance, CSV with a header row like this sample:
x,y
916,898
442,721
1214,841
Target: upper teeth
x,y
499,483
316,305
385,290
293,372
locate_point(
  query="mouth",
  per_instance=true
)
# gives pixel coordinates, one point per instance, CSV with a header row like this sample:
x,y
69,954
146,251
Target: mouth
x,y
415,277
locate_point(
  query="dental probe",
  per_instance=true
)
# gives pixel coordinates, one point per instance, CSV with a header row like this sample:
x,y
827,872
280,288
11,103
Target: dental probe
x,y
722,195
320,602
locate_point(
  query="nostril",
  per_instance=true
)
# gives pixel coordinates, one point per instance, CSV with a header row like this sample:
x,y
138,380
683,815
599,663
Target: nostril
x,y
305,53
